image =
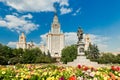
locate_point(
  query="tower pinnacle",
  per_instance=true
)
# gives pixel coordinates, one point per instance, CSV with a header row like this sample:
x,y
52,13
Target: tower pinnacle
x,y
55,10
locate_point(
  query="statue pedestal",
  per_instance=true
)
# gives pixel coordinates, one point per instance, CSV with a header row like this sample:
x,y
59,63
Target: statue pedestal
x,y
81,58
80,48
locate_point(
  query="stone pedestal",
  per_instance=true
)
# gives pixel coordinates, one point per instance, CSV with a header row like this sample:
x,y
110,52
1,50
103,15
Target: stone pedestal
x,y
81,60
80,48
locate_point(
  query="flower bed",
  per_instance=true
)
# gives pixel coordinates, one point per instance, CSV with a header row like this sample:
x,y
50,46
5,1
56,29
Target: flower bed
x,y
52,72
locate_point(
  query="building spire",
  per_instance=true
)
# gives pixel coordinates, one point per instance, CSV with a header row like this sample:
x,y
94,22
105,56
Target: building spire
x,y
55,9
55,19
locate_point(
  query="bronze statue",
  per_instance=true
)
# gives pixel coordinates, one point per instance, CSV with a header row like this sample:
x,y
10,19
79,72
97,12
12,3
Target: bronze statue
x,y
80,34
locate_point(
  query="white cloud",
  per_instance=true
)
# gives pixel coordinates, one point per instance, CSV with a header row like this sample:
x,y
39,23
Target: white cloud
x,y
43,39
27,16
70,38
100,41
98,38
118,49
64,10
34,5
17,23
76,12
3,23
12,44
63,2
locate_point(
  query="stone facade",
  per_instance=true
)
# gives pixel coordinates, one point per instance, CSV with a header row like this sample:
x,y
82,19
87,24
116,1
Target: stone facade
x,y
23,44
87,41
43,48
55,39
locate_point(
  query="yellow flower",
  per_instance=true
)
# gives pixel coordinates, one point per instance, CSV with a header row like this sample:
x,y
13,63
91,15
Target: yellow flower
x,y
57,77
22,79
45,73
27,76
105,78
119,74
43,79
3,68
3,72
51,78
97,73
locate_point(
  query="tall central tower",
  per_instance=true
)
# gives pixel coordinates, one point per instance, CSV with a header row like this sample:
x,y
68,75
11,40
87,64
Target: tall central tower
x,y
55,38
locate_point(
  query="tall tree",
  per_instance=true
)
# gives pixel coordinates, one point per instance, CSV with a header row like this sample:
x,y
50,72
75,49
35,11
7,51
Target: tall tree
x,y
69,54
48,53
93,52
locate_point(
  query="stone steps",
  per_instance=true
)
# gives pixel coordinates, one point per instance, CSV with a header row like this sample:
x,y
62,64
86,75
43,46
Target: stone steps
x,y
82,60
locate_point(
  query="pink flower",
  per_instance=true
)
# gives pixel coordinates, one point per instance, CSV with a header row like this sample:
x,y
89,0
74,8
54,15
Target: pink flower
x,y
62,78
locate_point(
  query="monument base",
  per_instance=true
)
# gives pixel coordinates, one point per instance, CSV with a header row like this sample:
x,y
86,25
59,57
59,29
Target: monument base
x,y
80,48
82,60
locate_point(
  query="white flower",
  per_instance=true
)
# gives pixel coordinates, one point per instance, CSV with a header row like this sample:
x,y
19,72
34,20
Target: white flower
x,y
92,74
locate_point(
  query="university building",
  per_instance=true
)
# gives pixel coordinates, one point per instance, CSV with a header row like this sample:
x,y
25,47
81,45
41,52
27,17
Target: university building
x,y
55,40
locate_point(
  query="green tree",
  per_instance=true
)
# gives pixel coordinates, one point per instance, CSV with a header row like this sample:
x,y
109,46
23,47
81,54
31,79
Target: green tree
x,y
118,59
6,52
18,52
14,56
69,54
29,56
92,52
3,61
107,58
36,51
48,53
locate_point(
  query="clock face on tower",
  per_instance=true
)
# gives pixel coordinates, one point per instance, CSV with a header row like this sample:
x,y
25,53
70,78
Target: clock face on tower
x,y
55,26
21,37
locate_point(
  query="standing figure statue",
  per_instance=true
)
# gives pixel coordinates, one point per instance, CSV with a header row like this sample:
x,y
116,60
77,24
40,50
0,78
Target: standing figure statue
x,y
80,34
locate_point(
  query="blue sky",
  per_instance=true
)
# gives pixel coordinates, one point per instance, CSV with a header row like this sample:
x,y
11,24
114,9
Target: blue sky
x,y
99,18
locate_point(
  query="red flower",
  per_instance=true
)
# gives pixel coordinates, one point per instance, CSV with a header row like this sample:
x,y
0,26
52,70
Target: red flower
x,y
118,68
85,68
113,68
79,66
93,69
72,78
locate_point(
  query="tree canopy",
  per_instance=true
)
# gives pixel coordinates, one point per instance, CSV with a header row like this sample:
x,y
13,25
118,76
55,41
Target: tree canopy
x,y
69,53
92,52
14,56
